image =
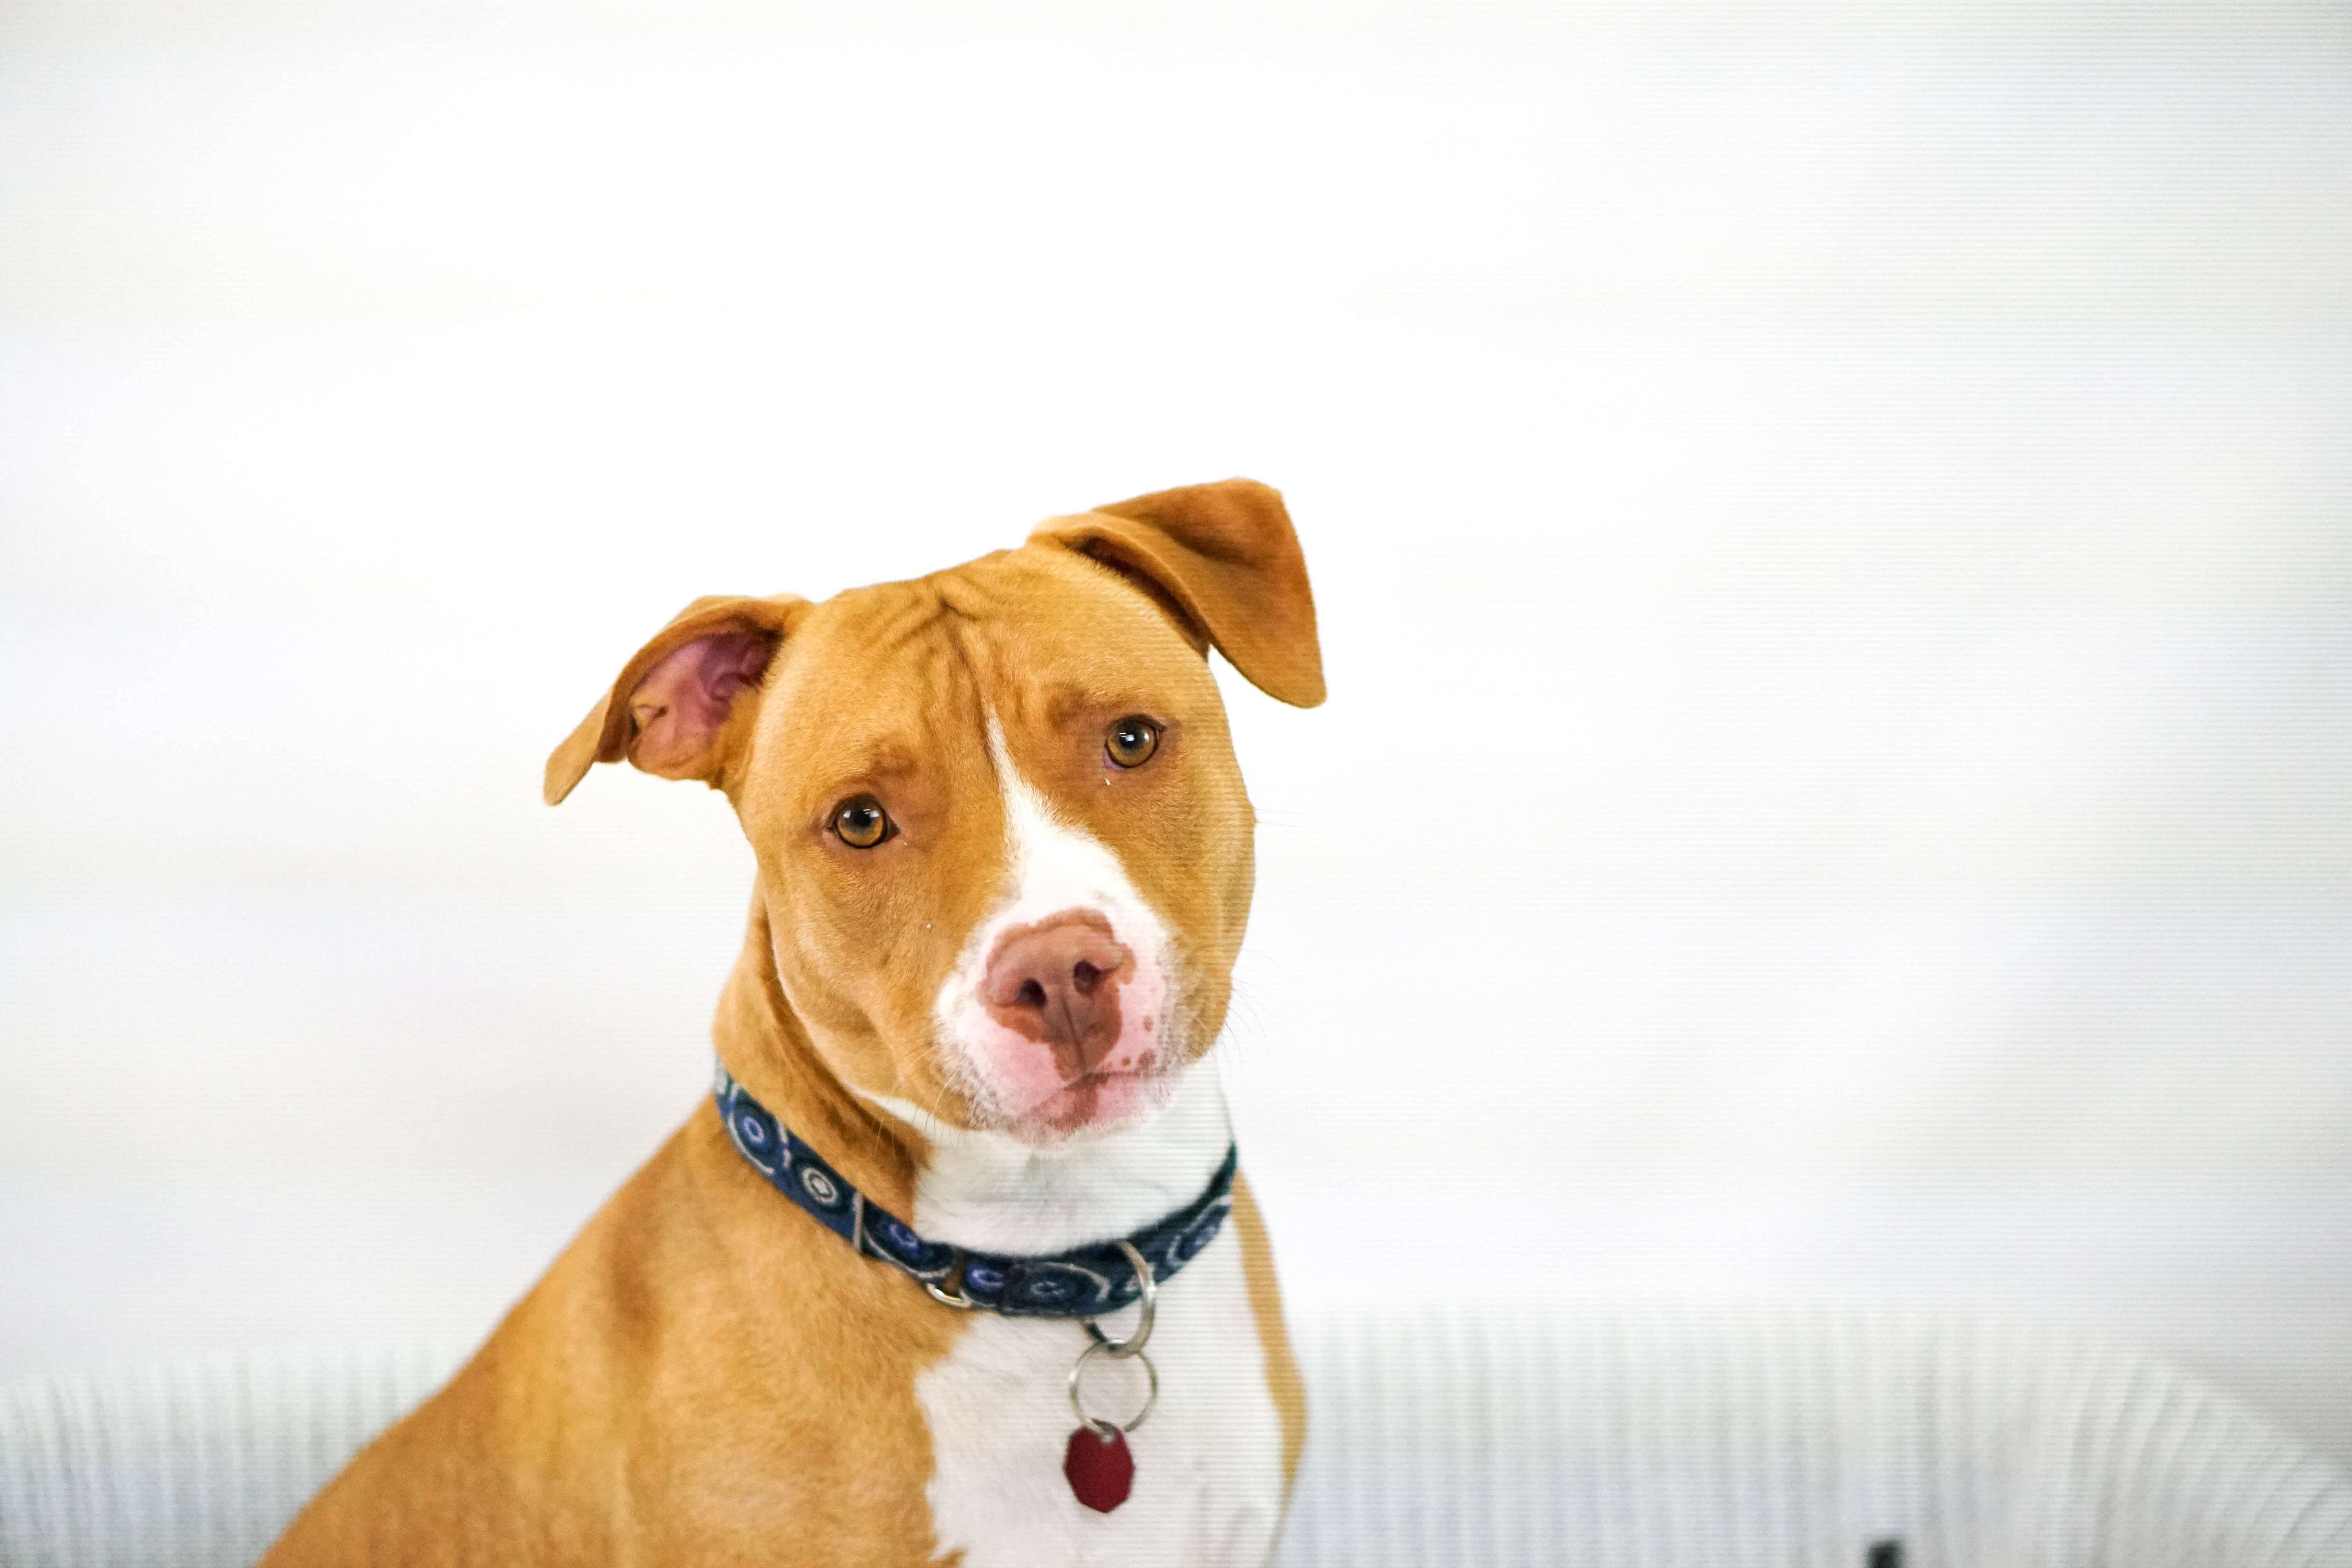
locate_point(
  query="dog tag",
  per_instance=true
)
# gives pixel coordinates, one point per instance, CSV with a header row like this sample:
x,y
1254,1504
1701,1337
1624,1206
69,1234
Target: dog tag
x,y
1100,1468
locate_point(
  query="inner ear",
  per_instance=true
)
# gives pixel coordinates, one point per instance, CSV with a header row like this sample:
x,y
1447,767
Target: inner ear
x,y
682,703
1192,631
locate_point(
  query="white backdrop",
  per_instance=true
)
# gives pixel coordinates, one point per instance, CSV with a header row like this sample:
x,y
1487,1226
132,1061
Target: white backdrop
x,y
1833,534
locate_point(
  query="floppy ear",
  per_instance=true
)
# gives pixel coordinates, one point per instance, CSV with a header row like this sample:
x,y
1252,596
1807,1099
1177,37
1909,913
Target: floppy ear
x,y
1223,560
682,707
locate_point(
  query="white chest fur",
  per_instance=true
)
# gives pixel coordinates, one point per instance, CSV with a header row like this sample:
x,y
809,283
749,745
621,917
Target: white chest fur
x,y
1208,1460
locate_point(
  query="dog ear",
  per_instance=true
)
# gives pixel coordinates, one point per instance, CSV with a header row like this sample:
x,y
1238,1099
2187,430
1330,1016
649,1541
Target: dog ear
x,y
1224,561
676,708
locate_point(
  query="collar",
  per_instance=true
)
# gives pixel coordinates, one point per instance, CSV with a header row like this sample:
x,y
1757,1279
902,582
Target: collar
x,y
1080,1283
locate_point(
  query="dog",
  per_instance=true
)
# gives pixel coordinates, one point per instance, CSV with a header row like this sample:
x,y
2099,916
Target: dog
x,y
957,1264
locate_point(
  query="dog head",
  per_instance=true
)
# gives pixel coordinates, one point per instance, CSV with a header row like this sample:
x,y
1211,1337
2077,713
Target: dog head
x,y
1002,842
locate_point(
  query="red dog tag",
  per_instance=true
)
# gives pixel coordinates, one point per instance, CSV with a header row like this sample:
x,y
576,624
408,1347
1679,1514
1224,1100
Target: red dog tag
x,y
1100,1468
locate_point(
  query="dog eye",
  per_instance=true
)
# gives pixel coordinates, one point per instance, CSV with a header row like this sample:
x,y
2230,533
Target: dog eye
x,y
861,823
1131,741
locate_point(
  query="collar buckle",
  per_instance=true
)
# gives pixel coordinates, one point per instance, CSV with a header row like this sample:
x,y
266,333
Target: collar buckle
x,y
959,1301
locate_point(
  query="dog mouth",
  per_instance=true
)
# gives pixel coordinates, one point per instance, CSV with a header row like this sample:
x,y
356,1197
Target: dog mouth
x,y
1095,1102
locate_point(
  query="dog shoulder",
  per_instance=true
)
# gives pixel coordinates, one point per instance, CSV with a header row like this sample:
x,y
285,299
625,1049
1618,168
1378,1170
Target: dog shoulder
x,y
1284,1384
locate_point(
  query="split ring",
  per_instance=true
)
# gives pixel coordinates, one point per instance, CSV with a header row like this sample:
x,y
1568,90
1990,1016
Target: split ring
x,y
1121,1350
1103,1429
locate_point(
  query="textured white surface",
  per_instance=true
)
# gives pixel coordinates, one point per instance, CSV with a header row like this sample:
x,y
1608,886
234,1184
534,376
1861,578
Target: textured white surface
x,y
193,1463
1677,1436
1659,1437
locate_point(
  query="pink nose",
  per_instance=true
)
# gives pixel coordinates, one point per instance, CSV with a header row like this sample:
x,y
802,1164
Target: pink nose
x,y
1057,983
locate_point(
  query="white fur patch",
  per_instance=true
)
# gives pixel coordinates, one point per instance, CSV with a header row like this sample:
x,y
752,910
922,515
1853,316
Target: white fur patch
x,y
1208,1461
991,1192
1052,868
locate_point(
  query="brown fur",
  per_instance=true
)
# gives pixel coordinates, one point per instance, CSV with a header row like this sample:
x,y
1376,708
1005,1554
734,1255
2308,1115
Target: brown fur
x,y
706,1376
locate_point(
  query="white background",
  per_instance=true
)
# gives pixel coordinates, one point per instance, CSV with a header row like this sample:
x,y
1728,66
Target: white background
x,y
1833,531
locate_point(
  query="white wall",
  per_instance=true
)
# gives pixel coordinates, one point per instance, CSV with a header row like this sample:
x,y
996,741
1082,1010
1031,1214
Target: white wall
x,y
1834,539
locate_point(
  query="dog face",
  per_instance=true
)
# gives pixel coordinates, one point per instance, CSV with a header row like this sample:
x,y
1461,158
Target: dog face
x,y
1002,841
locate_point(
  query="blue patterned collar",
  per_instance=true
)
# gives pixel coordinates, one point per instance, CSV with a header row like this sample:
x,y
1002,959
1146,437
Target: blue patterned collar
x,y
1080,1283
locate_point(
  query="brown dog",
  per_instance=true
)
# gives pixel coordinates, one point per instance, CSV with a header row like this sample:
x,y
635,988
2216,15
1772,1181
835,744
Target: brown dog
x,y
845,1316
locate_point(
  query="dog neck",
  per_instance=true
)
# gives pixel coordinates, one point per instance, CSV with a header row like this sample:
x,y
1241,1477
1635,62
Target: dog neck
x,y
982,1190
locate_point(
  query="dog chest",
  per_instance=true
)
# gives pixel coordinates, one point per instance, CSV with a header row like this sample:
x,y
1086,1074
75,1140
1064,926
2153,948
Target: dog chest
x,y
1208,1459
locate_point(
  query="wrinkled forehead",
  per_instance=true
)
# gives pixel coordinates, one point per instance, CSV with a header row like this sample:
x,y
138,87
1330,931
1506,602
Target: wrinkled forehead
x,y
873,684
902,677
1050,638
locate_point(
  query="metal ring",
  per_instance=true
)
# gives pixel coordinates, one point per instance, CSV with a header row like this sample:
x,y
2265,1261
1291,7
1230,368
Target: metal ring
x,y
1133,1344
1105,1428
959,1301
